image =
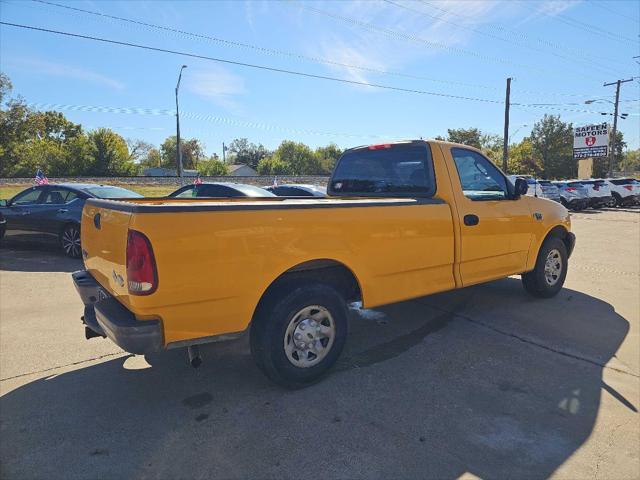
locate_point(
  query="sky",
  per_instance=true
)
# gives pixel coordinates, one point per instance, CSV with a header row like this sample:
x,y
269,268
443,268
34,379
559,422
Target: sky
x,y
434,65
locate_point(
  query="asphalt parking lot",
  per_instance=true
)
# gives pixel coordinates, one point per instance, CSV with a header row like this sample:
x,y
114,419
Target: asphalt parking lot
x,y
482,382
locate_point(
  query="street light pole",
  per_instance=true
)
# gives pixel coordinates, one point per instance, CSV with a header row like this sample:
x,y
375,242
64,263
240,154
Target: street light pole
x,y
178,148
612,141
505,145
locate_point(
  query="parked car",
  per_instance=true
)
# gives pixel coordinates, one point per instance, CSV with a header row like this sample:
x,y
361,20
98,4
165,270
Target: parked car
x,y
625,191
573,195
549,190
51,213
220,190
599,193
180,274
539,188
298,190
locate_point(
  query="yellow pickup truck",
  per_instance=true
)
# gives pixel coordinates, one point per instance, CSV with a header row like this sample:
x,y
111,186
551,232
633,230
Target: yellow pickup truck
x,y
401,220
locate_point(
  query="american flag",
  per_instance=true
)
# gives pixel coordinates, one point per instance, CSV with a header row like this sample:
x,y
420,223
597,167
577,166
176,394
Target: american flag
x,y
40,178
198,180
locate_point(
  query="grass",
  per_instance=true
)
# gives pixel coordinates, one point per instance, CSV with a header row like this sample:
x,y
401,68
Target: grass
x,y
8,191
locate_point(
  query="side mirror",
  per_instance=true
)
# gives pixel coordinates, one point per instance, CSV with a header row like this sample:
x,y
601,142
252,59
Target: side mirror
x,y
4,203
521,187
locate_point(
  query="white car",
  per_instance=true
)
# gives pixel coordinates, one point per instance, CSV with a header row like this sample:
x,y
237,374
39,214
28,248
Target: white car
x,y
625,191
599,193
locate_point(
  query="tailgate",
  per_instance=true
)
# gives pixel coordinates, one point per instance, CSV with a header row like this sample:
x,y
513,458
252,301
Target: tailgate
x,y
104,245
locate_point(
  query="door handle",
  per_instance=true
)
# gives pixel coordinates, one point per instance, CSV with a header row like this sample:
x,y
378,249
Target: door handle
x,y
471,220
63,210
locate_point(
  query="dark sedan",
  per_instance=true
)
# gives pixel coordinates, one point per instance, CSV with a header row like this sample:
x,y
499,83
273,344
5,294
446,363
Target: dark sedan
x,y
221,190
298,190
51,213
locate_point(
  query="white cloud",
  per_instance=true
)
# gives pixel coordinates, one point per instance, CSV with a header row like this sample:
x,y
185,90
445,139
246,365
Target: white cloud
x,y
556,7
44,67
217,85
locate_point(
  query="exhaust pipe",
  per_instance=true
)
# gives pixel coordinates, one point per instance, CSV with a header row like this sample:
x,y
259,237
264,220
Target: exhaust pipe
x,y
193,352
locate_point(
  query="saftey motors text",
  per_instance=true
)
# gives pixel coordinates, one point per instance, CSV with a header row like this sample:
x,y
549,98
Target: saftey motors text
x,y
592,130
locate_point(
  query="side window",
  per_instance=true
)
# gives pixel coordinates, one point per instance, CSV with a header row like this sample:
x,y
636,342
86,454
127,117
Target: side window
x,y
59,196
188,193
480,179
28,197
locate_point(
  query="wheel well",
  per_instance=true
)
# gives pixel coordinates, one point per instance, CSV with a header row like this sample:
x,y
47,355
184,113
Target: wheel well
x,y
559,232
327,271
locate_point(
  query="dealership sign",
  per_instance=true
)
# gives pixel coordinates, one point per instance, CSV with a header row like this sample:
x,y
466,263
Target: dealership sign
x,y
591,141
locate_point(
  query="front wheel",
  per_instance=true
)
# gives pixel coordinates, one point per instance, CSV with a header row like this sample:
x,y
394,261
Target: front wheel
x,y
298,333
548,276
70,241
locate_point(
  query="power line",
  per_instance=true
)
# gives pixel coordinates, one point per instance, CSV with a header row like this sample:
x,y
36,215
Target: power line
x,y
518,33
493,36
592,29
270,51
608,9
264,50
249,65
415,39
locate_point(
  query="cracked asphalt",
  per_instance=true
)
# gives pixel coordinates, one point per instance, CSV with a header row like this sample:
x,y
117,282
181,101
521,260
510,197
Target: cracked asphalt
x,y
483,382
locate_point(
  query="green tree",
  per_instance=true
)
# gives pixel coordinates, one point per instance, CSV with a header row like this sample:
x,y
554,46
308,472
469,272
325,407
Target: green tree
x,y
241,151
631,161
601,164
465,136
299,157
110,154
274,166
522,159
192,152
327,157
552,142
212,167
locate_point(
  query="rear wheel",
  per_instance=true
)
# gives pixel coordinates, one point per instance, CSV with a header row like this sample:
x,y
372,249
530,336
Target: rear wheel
x,y
618,199
70,241
298,333
548,276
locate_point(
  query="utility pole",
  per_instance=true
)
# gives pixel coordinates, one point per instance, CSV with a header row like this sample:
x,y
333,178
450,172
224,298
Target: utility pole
x,y
505,145
224,153
178,149
612,141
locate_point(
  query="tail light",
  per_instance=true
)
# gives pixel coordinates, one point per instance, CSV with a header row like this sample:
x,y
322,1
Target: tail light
x,y
628,187
142,276
379,146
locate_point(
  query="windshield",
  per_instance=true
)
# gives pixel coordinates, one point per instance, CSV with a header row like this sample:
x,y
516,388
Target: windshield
x,y
403,169
251,191
105,191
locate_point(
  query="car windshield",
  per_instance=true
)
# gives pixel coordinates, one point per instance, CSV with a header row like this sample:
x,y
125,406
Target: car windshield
x,y
252,191
106,191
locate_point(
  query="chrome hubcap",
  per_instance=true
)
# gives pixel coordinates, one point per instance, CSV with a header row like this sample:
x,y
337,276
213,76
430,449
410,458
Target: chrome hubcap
x,y
553,267
71,241
309,336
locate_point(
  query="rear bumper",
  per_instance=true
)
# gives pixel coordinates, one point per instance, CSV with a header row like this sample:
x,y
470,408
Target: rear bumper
x,y
104,315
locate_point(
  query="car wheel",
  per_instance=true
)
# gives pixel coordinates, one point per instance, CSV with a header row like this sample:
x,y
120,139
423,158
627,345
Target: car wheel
x,y
298,333
550,272
70,241
618,199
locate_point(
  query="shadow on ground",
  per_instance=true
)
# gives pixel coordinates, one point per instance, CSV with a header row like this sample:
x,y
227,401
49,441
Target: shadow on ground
x,y
35,257
420,392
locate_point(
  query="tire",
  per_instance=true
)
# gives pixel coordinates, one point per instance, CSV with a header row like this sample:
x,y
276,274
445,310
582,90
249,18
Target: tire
x,y
70,241
541,282
287,315
618,199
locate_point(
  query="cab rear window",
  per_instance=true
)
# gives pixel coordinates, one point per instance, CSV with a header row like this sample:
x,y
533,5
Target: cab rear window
x,y
385,170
